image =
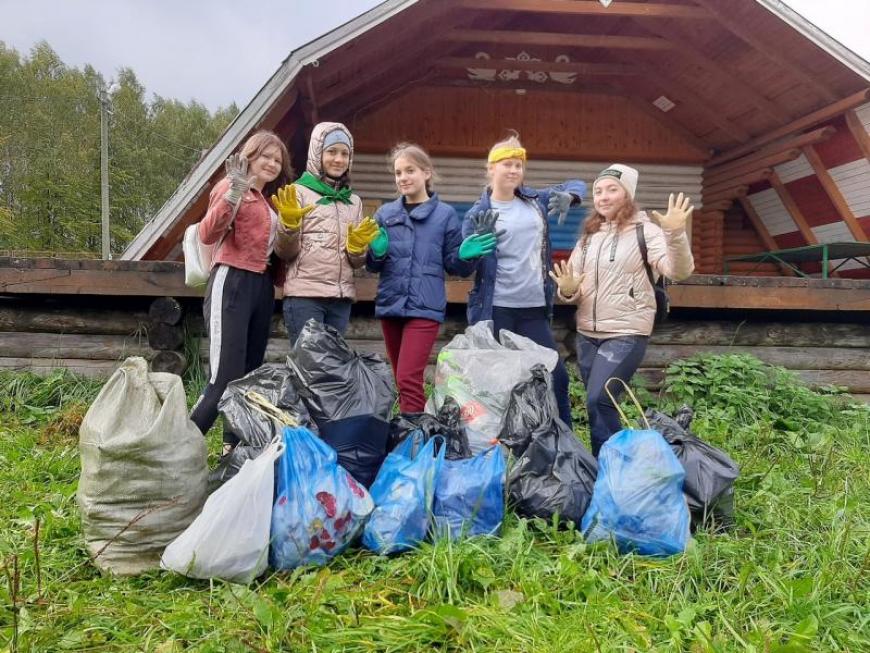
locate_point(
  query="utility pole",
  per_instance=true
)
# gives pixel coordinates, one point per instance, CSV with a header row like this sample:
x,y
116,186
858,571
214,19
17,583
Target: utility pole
x,y
104,173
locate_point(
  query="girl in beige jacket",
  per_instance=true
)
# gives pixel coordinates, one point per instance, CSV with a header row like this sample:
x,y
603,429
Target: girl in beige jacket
x,y
606,277
322,234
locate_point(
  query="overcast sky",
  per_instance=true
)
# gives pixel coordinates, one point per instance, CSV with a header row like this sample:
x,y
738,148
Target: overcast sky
x,y
217,52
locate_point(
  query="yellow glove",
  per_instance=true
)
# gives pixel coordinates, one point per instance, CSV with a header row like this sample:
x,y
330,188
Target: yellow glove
x,y
287,205
359,237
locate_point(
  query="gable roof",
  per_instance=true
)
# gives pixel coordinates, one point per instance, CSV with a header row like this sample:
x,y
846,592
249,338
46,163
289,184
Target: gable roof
x,y
459,27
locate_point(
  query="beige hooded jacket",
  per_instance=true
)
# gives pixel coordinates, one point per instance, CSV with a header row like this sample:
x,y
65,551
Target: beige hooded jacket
x,y
318,263
615,296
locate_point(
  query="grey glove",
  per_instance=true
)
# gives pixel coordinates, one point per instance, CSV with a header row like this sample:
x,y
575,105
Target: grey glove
x,y
559,203
484,223
237,172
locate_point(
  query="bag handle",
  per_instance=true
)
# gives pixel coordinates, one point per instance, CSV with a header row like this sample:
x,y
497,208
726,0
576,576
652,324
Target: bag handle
x,y
631,395
263,406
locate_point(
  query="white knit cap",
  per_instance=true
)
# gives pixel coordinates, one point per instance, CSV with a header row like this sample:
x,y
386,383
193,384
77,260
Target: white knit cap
x,y
624,175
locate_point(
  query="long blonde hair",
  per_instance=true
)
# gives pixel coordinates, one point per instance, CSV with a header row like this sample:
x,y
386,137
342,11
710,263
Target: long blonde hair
x,y
418,156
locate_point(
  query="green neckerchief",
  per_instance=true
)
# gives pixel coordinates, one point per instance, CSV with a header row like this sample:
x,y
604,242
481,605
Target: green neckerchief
x,y
329,193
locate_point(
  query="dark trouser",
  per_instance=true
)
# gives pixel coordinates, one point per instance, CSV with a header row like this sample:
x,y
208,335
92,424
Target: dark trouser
x,y
298,310
409,343
238,311
533,324
600,360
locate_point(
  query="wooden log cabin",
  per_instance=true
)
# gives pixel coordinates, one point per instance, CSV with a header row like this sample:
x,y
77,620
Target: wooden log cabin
x,y
752,110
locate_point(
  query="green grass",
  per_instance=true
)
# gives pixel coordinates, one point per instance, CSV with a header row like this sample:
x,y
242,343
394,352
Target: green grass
x,y
793,576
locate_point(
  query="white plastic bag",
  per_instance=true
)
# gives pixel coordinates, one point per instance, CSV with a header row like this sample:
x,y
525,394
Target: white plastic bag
x,y
230,538
479,372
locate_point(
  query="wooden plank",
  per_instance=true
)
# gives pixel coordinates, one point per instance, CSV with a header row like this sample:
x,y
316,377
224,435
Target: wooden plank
x,y
580,67
812,299
761,230
95,369
825,113
858,132
766,47
556,39
739,169
589,8
46,319
833,192
731,81
810,138
70,345
762,334
744,180
793,358
792,207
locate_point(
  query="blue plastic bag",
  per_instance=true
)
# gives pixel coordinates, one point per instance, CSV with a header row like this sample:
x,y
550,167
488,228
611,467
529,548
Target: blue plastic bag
x,y
469,495
319,508
403,493
638,497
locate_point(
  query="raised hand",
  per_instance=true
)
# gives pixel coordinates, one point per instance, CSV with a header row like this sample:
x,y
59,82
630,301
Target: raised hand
x,y
477,245
559,203
359,237
286,202
237,172
679,212
484,223
564,277
380,244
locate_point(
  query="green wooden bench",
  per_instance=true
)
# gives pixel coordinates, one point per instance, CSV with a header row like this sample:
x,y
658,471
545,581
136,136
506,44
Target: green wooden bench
x,y
823,252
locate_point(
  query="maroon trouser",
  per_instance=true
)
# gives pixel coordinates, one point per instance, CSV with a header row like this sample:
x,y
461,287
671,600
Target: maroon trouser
x,y
409,343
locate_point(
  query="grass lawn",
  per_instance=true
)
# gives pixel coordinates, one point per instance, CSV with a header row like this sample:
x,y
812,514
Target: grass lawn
x,y
793,576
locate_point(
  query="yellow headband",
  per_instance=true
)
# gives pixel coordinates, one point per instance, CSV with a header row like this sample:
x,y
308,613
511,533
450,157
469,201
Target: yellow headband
x,y
502,153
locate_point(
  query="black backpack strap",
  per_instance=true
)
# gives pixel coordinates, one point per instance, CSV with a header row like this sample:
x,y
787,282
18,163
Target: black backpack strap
x,y
641,243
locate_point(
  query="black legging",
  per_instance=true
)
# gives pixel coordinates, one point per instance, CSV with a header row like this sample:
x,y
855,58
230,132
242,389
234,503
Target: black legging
x,y
533,324
238,311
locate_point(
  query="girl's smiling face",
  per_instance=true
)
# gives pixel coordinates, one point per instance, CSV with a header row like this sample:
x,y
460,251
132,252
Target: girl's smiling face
x,y
608,196
335,160
410,178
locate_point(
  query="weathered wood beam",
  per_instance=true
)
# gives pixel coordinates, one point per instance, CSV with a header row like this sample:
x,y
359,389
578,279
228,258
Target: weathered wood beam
x,y
743,180
595,41
761,230
810,138
683,45
793,210
768,48
858,132
721,175
590,8
834,193
579,67
311,112
729,194
825,113
280,109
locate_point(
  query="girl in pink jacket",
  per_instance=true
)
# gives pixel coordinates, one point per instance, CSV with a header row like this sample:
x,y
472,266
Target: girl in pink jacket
x,y
606,277
240,296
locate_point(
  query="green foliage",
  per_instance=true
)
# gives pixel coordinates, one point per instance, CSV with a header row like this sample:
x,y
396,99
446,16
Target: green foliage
x,y
793,576
50,153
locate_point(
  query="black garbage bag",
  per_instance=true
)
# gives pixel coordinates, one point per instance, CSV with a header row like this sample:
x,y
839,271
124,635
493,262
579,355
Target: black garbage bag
x,y
336,382
555,473
254,429
349,395
531,404
446,424
710,472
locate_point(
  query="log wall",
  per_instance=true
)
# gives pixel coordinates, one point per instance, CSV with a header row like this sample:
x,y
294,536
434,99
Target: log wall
x,y
93,341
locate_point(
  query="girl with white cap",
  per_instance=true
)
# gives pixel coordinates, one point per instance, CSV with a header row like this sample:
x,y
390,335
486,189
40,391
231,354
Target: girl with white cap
x,y
606,276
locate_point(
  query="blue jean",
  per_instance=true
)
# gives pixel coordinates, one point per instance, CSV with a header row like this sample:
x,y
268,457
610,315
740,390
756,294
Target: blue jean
x,y
600,360
534,324
298,310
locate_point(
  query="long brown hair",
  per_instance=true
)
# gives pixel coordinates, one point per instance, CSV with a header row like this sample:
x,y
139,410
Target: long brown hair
x,y
418,156
624,214
255,145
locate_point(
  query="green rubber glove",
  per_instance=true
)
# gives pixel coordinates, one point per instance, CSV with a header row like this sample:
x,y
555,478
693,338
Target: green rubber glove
x,y
380,244
477,245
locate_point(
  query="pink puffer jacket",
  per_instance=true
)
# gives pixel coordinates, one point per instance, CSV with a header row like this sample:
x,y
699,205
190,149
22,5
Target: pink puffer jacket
x,y
615,296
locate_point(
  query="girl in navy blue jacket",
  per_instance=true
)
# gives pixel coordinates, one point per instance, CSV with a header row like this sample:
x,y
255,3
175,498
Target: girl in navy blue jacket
x,y
511,286
420,239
